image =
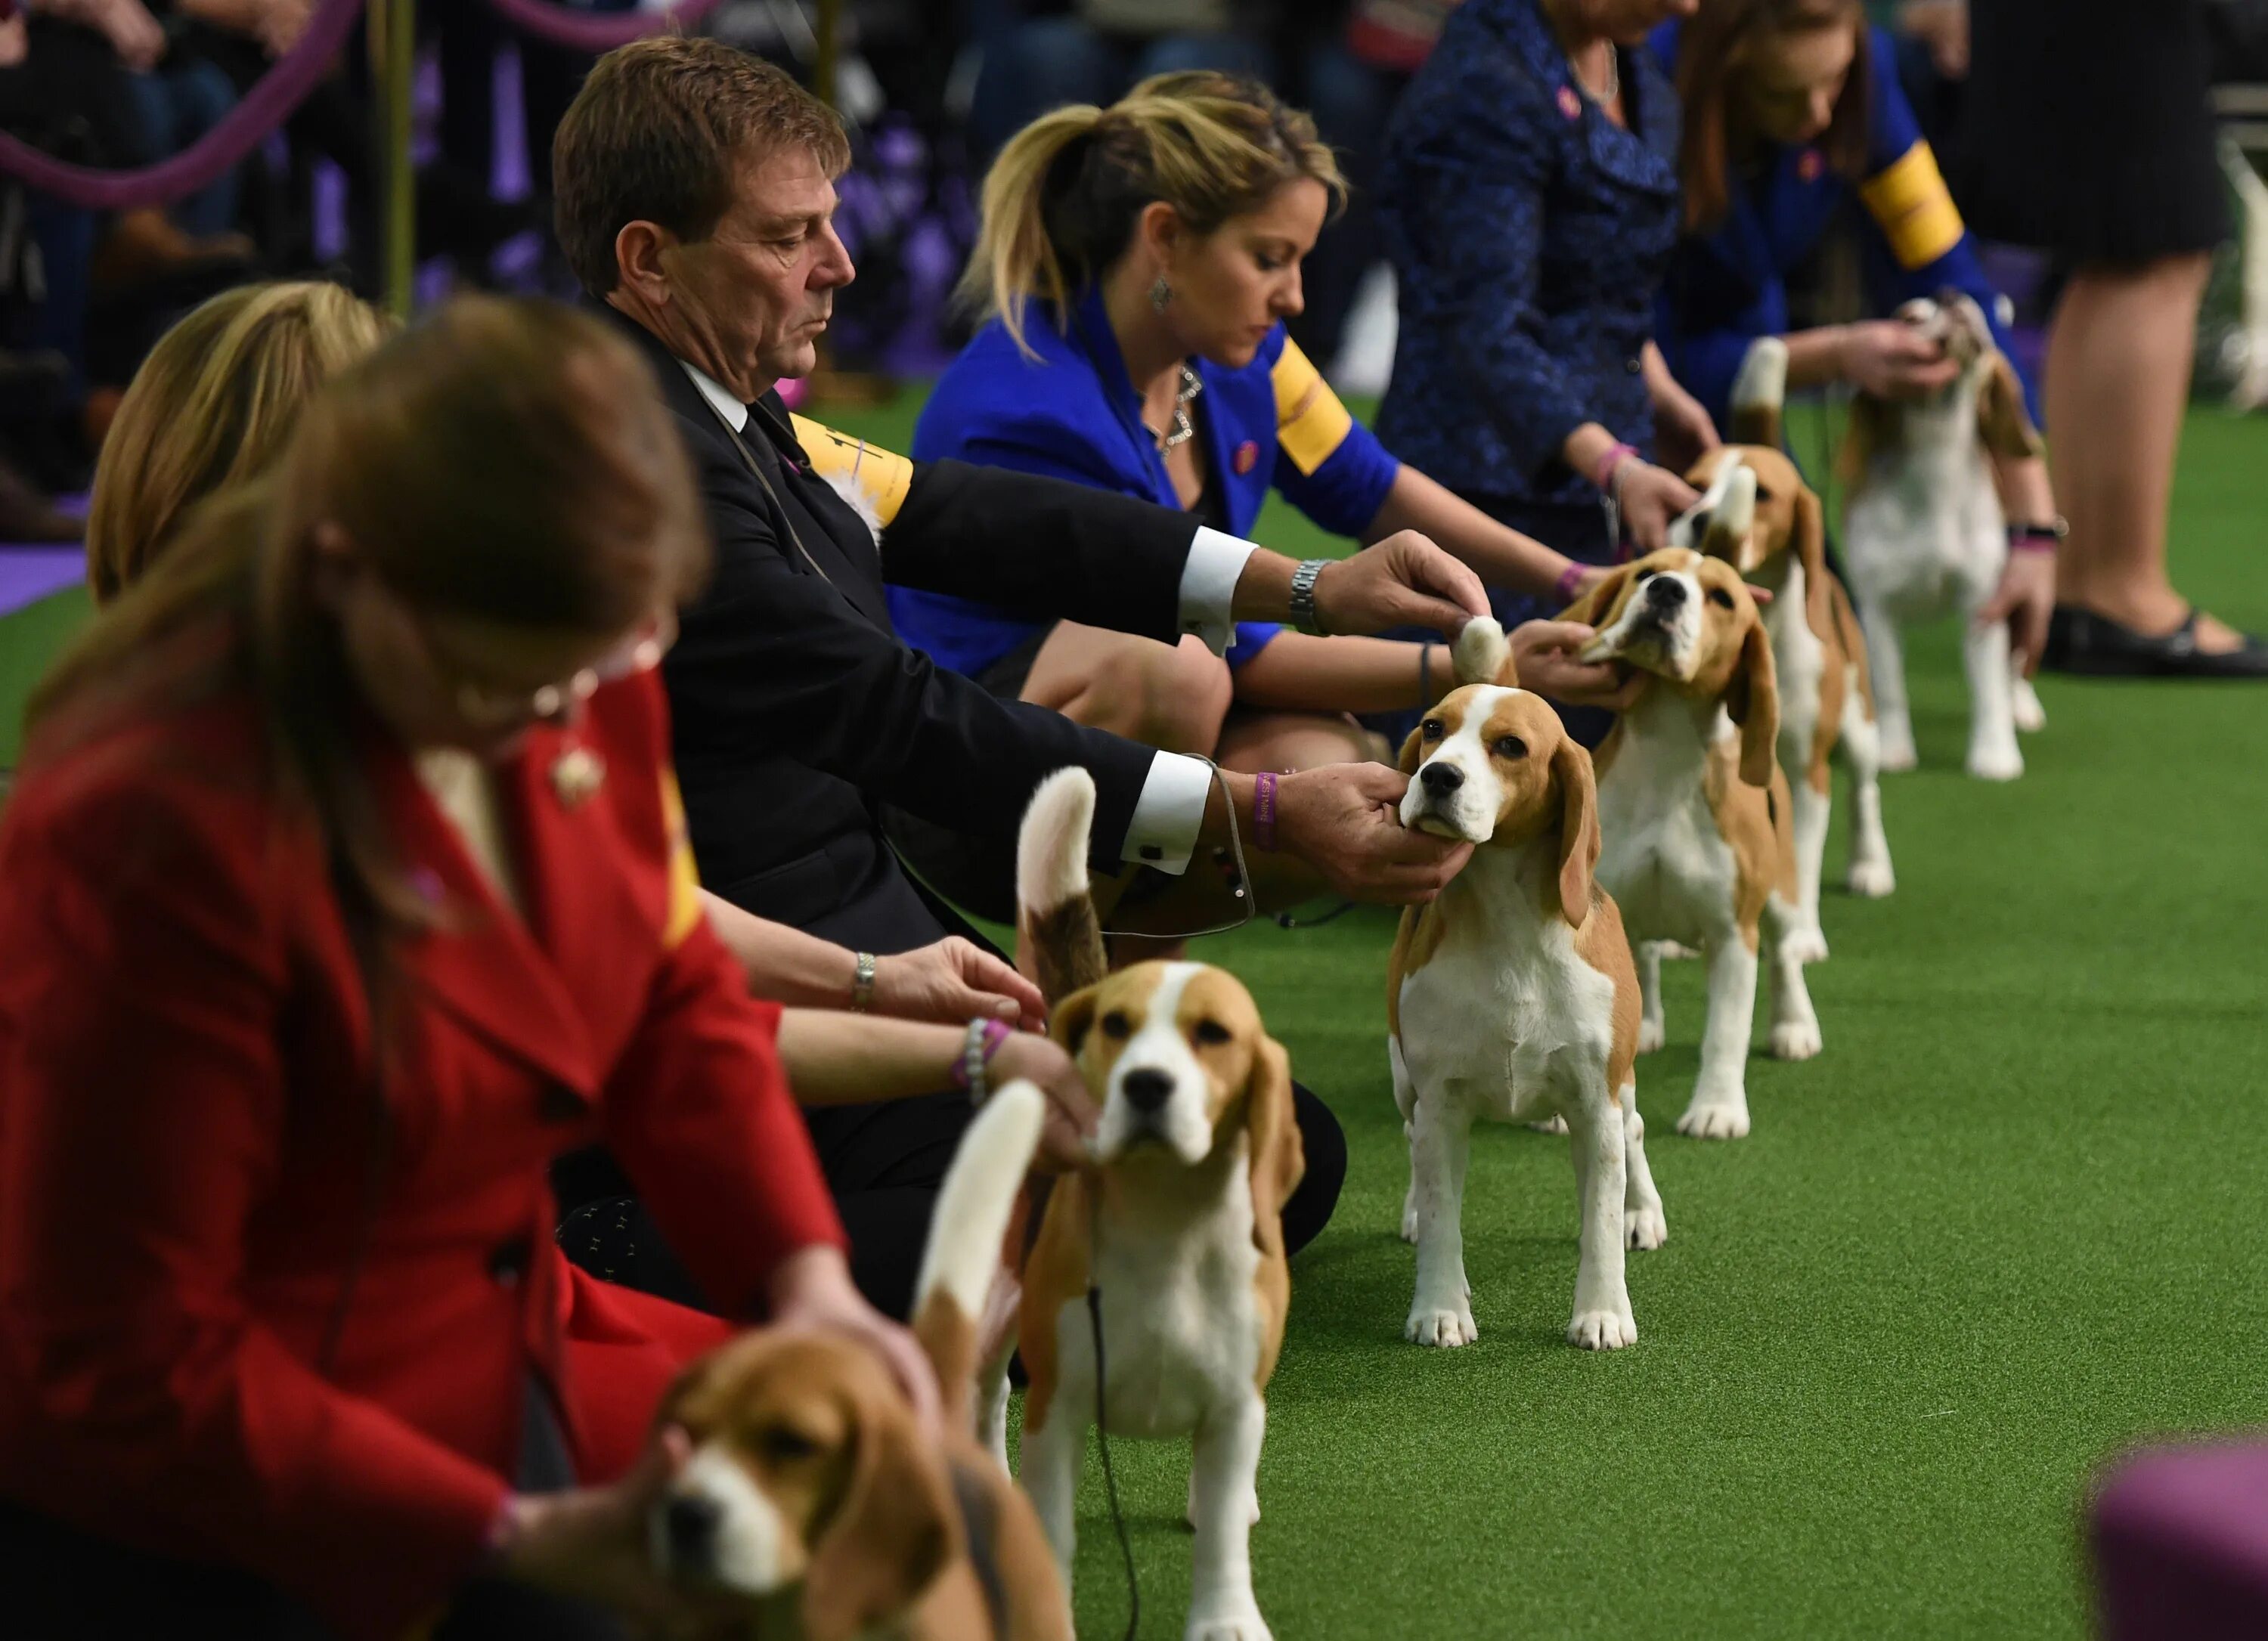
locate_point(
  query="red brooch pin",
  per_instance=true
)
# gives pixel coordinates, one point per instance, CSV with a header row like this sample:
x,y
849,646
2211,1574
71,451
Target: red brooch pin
x,y
1569,105
1247,456
1809,165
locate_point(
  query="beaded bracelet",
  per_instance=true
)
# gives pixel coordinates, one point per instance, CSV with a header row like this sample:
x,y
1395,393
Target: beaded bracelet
x,y
978,1045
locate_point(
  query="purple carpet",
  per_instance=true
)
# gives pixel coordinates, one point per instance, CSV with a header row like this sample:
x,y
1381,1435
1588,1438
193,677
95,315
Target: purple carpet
x,y
28,574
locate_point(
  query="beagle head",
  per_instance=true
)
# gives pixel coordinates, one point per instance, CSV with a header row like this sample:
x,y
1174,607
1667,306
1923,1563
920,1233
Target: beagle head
x,y
1691,622
1754,507
1492,764
1177,1056
808,1469
2003,422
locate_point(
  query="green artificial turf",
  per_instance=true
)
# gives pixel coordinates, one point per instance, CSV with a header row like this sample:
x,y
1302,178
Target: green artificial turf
x,y
2007,1225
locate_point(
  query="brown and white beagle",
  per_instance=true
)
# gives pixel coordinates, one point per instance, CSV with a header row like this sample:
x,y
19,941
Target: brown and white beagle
x,y
1178,1225
1925,537
1512,997
1757,513
1695,813
814,1491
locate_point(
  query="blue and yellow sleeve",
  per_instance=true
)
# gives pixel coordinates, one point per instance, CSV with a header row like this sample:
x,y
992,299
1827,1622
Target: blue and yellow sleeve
x,y
878,475
1327,465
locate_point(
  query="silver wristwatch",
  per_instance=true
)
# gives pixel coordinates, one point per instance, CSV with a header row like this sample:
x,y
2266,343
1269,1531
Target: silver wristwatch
x,y
1303,595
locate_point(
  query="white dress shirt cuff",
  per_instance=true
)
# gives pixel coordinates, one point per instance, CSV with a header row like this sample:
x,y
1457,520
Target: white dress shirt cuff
x,y
1209,587
1170,812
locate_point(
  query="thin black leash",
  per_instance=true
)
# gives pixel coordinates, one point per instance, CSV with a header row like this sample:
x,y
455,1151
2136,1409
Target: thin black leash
x,y
1103,1434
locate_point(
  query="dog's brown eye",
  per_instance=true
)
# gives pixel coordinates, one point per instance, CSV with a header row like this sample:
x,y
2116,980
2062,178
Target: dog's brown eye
x,y
1721,599
1209,1032
783,1446
1647,575
1118,1027
1509,747
1432,728
1763,495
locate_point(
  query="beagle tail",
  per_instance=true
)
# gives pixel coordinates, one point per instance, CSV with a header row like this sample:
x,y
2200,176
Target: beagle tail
x,y
1759,392
1055,906
976,1206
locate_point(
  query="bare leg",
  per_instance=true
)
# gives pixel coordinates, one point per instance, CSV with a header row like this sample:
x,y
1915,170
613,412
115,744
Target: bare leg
x,y
2117,380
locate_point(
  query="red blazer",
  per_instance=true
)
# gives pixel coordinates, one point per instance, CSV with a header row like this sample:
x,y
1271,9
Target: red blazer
x,y
189,1166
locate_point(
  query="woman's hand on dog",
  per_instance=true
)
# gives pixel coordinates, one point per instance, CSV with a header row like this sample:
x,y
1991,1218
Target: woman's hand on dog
x,y
1543,657
953,980
1344,820
811,1290
1404,580
1891,360
1650,499
1072,1113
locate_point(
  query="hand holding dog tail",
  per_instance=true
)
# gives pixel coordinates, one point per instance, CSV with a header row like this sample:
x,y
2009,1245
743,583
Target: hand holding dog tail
x,y
1055,908
967,1232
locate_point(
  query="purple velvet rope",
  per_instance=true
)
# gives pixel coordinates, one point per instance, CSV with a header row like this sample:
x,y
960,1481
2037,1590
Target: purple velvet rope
x,y
265,106
597,32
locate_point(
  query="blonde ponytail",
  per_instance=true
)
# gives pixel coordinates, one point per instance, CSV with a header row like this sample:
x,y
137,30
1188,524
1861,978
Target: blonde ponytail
x,y
1061,202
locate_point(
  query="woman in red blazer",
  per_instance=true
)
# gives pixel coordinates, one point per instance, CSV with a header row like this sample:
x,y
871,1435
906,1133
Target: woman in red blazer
x,y
343,888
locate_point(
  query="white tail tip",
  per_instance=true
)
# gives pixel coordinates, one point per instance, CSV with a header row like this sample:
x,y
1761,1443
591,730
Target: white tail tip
x,y
1051,847
978,1197
1480,652
1761,383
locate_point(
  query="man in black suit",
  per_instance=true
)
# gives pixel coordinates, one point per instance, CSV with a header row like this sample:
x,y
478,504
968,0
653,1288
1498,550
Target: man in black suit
x,y
696,194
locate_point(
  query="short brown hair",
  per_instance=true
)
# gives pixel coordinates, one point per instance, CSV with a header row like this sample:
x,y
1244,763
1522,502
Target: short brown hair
x,y
655,134
1712,48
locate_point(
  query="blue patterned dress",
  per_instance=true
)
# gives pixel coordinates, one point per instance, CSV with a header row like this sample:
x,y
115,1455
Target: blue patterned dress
x,y
1530,235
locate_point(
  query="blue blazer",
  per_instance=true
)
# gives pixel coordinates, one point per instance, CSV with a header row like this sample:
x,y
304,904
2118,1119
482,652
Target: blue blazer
x,y
1729,287
1074,414
1529,234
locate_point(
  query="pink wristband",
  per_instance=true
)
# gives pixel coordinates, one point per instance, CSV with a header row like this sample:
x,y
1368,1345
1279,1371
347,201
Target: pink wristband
x,y
995,1033
1603,474
1571,580
1263,811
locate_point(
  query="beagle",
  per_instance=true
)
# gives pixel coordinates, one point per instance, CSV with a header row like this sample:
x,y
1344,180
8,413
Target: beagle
x,y
1757,513
1694,810
1511,995
813,1493
1178,1227
1926,536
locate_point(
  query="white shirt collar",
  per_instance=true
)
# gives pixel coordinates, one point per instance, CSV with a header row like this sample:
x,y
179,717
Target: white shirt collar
x,y
735,412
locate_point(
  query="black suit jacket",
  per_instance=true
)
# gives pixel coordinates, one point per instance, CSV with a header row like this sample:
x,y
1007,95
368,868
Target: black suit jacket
x,y
798,712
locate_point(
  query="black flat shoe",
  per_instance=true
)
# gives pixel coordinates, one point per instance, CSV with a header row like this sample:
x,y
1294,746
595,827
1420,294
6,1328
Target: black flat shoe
x,y
2088,645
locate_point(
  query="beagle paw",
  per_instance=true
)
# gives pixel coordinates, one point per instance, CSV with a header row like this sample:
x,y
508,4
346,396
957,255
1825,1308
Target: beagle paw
x,y
1238,1623
1553,1124
1717,1119
1675,951
1795,1039
1871,879
1602,1330
1897,754
1650,1032
1644,1227
1441,1327
1409,1213
1995,763
1804,945
2031,718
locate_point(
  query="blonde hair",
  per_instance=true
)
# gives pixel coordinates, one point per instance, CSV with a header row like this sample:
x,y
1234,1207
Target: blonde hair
x,y
1061,202
212,406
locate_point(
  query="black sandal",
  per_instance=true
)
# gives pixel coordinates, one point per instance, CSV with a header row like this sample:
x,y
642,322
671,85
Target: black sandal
x,y
2089,645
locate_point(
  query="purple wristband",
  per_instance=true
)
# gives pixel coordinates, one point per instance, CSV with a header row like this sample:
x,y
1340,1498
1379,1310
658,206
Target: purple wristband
x,y
1263,811
995,1033
1603,474
1570,581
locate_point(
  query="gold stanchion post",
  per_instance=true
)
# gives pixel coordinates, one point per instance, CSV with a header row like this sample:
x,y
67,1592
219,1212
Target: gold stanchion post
x,y
393,72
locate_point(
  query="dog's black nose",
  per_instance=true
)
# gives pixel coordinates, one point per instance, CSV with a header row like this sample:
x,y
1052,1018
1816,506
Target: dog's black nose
x,y
691,1520
1440,779
1145,1089
1665,591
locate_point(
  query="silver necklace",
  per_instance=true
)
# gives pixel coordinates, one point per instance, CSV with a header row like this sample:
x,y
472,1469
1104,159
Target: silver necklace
x,y
1183,429
1614,77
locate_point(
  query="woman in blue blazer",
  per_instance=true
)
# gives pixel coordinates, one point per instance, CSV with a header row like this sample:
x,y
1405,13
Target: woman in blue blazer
x,y
1793,110
1141,261
1529,198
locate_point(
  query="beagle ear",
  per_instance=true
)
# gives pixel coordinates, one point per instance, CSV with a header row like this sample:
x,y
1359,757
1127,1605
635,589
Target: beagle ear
x,y
1278,1161
1810,549
1074,1017
1413,751
1752,702
1596,608
1578,829
2003,421
894,1531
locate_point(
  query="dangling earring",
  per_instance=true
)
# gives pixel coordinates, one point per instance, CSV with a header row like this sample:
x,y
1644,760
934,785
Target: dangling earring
x,y
1160,294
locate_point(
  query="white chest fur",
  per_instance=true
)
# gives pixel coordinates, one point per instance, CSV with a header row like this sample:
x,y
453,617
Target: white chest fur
x,y
1505,999
1926,523
1181,1317
1665,859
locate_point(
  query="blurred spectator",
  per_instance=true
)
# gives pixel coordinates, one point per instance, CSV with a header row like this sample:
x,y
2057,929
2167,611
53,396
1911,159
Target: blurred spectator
x,y
2090,133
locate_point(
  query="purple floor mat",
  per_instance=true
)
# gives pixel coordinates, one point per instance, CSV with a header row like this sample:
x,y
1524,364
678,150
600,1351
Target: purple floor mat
x,y
28,574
